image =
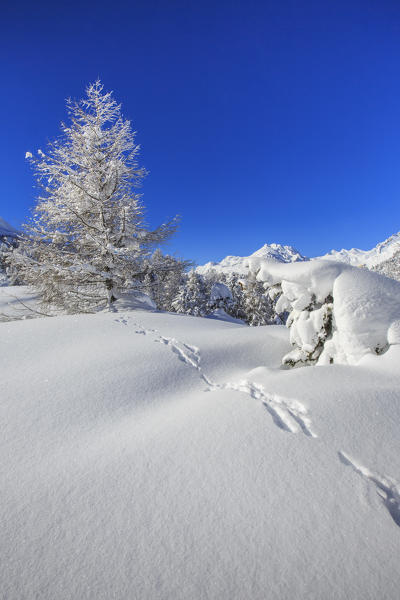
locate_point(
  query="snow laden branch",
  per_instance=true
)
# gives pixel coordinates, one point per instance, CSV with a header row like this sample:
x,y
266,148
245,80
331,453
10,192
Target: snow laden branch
x,y
86,242
336,313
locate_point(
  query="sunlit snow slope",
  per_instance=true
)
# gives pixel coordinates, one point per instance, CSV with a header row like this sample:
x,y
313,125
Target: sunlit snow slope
x,y
156,456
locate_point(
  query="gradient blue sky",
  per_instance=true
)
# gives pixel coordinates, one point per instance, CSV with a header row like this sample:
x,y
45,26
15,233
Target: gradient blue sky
x,y
266,121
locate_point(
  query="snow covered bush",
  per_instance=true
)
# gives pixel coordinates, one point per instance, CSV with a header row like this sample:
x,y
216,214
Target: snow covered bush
x,y
86,242
337,313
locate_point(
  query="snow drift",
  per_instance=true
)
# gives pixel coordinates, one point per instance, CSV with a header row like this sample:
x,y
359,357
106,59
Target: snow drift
x,y
338,313
168,457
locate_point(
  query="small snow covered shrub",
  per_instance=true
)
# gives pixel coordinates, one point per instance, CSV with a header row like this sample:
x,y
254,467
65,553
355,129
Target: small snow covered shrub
x,y
337,313
310,325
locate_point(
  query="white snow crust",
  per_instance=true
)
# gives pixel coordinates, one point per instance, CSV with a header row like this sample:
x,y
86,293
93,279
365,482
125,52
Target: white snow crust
x,y
161,456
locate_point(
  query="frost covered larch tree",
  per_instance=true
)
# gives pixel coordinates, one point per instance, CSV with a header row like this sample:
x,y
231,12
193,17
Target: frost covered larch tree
x,y
87,240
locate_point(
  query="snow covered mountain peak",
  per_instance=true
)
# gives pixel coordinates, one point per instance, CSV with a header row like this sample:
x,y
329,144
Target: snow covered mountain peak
x,y
384,251
238,264
369,258
279,252
7,230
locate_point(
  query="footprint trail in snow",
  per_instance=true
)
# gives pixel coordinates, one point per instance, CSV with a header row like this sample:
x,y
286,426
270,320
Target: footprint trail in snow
x,y
288,414
387,488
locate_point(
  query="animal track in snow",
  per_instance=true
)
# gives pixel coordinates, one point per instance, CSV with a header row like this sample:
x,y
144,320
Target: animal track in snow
x,y
288,414
387,488
187,354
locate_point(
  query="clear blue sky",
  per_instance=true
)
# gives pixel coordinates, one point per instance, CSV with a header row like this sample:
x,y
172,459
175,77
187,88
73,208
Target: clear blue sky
x,y
266,121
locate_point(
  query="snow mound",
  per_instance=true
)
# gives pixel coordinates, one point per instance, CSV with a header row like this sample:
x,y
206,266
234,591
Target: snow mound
x,y
221,315
134,300
166,457
338,313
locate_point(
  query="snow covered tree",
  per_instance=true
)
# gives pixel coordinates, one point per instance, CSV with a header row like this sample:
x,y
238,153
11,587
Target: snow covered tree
x,y
87,241
236,309
257,306
310,321
164,275
219,297
192,296
4,250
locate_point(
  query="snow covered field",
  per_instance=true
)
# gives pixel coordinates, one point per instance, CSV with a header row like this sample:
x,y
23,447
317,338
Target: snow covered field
x,y
156,456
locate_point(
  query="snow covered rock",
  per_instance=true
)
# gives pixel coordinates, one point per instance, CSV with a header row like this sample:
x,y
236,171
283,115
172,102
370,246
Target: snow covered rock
x,y
338,313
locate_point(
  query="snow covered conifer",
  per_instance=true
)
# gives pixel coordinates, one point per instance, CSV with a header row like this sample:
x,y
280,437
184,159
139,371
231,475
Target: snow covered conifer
x,y
192,298
87,241
220,297
237,307
163,277
258,307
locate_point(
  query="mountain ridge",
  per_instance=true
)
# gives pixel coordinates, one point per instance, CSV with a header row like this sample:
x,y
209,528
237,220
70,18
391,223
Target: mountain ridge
x,y
382,252
7,230
237,264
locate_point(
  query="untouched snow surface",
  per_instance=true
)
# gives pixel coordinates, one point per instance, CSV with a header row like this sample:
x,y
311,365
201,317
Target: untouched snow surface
x,y
156,456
